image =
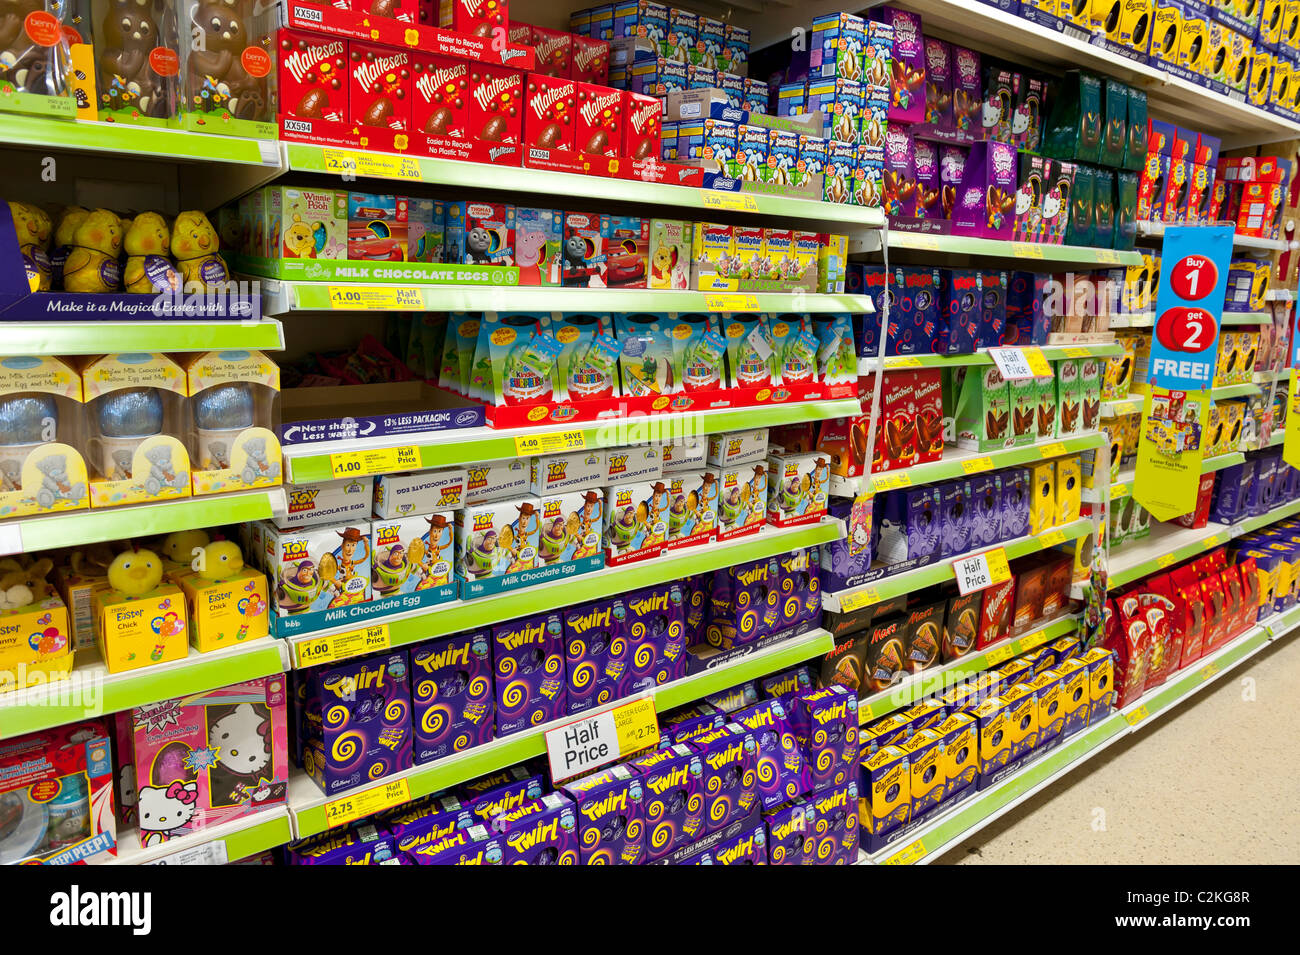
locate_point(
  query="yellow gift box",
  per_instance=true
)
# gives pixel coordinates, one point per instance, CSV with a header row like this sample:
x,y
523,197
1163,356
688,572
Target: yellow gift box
x,y
225,612
35,644
135,632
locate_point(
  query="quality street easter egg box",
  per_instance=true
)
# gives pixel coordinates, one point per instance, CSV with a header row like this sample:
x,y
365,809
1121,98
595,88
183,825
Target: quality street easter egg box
x,y
530,680
636,521
451,695
797,488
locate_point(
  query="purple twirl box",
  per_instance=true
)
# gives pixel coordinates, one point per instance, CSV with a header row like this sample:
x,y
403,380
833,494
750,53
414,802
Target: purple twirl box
x,y
426,820
541,832
993,307
938,83
746,847
686,723
1013,521
985,204
697,591
358,844
780,686
790,834
780,769
801,596
729,764
908,102
1027,323
656,634
835,829
472,846
985,509
504,797
595,653
961,307
845,562
673,799
611,817
530,681
358,722
909,530
469,792
954,521
451,695
825,722
745,603
1231,485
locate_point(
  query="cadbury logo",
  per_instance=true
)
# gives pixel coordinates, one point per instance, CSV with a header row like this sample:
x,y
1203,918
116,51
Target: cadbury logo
x,y
368,73
302,62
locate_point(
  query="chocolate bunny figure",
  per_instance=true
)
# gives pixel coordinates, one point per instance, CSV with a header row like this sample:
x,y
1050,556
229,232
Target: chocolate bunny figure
x,y
216,78
30,67
126,78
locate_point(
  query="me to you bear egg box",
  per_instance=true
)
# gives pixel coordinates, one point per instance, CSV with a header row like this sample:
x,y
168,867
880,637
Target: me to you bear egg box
x,y
208,758
234,405
136,405
42,437
56,796
357,721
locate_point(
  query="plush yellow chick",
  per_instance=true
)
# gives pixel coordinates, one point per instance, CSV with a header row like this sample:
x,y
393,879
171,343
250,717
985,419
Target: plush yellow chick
x,y
33,226
194,247
148,269
179,546
91,265
221,560
135,572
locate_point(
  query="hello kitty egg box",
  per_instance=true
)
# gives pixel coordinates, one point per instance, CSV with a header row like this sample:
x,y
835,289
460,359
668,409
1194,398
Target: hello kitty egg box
x,y
234,406
42,437
135,407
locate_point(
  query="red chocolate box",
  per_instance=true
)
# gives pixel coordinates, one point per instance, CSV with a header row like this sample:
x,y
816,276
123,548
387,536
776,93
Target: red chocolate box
x,y
600,120
589,61
313,86
552,48
476,17
496,99
378,91
405,10
549,114
642,116
440,104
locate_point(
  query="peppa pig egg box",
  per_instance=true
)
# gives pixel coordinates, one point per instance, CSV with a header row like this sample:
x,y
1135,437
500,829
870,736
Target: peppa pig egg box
x,y
42,437
36,643
234,409
209,758
135,407
225,612
60,781
138,631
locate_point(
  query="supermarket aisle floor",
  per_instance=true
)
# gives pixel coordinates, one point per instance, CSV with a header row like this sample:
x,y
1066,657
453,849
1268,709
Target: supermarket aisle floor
x,y
1210,784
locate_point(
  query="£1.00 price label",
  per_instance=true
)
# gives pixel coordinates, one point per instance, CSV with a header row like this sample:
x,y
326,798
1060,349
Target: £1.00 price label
x,y
378,461
981,571
602,737
734,201
374,298
342,646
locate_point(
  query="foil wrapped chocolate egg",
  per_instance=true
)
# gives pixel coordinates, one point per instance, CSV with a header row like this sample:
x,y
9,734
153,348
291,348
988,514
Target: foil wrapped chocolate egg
x,y
130,413
23,417
224,408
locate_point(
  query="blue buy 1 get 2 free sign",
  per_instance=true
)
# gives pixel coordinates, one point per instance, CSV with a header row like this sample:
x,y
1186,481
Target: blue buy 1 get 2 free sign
x,y
1189,302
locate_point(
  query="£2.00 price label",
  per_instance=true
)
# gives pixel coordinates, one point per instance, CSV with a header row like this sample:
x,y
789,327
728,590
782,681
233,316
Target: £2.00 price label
x,y
379,461
981,571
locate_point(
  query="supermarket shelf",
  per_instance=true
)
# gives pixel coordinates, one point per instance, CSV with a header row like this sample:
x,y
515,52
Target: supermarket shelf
x,y
1221,461
1136,320
283,297
1156,230
1268,377
1245,318
941,571
1168,544
215,845
29,534
1233,391
932,681
1279,513
417,625
1279,295
311,462
92,338
931,841
138,141
998,248
1122,406
599,189
1278,437
961,462
1123,484
307,803
90,690
1051,352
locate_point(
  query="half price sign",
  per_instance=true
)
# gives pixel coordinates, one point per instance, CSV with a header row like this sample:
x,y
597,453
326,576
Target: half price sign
x,y
981,571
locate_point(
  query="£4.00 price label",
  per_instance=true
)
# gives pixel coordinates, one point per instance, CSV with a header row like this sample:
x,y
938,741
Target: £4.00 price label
x,y
602,737
1019,363
552,442
378,461
731,302
354,806
981,571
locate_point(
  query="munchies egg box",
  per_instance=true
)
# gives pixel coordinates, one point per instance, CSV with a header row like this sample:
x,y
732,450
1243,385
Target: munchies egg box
x,y
451,695
529,676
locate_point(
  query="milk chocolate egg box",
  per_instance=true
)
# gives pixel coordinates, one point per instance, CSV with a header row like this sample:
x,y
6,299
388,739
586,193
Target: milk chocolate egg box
x,y
529,676
320,567
636,520
692,507
797,488
745,603
597,648
656,631
674,798
314,80
789,833
498,538
452,696
742,499
611,816
779,770
411,554
825,722
379,89
729,758
541,832
835,825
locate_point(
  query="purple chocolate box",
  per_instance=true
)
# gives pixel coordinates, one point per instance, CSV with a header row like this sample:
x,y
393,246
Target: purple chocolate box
x,y
914,316
474,845
674,798
747,847
358,722
541,832
611,817
426,820
825,722
729,756
1027,323
656,632
778,686
790,834
1014,519
686,723
506,797
954,518
993,308
835,828
530,683
801,595
780,769
986,199
961,307
359,844
907,104
745,602
452,699
909,530
596,653
986,509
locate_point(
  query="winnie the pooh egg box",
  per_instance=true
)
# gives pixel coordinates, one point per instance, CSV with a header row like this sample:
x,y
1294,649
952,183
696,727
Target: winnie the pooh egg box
x,y
234,408
42,436
135,407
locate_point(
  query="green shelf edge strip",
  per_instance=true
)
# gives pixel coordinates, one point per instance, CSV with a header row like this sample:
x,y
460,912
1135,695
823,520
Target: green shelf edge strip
x,y
511,750
138,141
1008,457
1289,509
941,572
1233,391
1050,352
1221,461
258,838
58,338
1189,681
146,685
455,618
142,520
444,450
446,172
1209,542
924,684
973,245
1245,318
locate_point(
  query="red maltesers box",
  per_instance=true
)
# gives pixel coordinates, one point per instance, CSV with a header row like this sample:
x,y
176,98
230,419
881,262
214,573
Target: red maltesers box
x,y
600,120
589,61
405,10
476,17
313,77
378,95
496,104
521,34
549,113
642,124
440,104
552,50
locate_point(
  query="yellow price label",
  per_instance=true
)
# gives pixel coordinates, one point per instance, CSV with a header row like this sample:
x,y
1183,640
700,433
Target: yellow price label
x,y
1212,542
1209,671
379,461
928,242
999,568
904,361
349,808
1164,560
637,726
731,303
1038,363
1078,353
1119,490
1135,717
977,465
732,201
909,855
346,162
892,480
1051,539
552,442
1107,256
859,599
343,646
375,298
1026,250
1053,450
1000,654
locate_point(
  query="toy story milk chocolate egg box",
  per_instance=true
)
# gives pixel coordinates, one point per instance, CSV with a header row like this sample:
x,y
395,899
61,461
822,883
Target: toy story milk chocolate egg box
x,y
319,568
636,521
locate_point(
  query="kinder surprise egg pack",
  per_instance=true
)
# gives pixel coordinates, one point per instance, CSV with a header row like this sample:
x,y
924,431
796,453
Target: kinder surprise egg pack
x,y
648,350
521,354
318,568
56,796
209,758
233,397
40,430
588,359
